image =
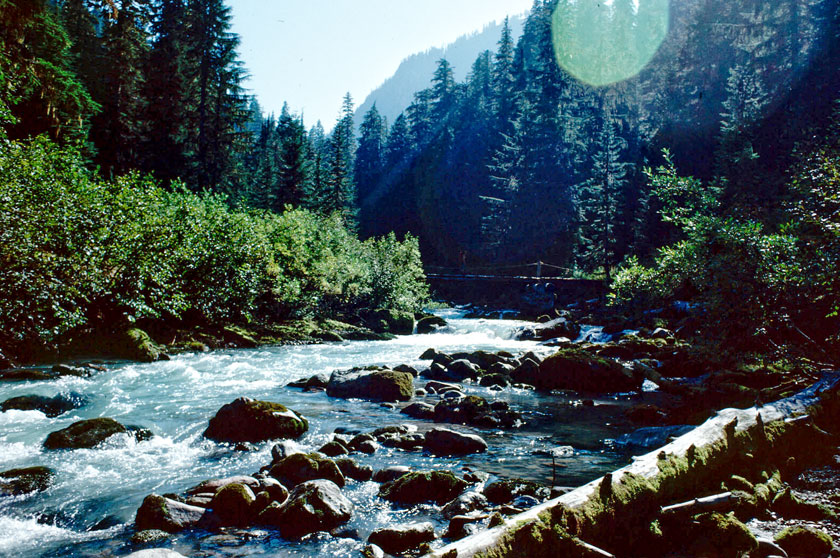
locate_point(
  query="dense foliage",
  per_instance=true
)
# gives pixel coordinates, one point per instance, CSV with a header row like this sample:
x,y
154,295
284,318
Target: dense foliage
x,y
752,284
81,252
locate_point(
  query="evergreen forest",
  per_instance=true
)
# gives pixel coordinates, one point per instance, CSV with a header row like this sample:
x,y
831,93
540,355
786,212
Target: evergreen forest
x,y
689,179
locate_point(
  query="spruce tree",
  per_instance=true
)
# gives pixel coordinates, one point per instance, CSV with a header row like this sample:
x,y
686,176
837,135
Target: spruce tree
x,y
119,131
340,191
38,83
600,197
370,155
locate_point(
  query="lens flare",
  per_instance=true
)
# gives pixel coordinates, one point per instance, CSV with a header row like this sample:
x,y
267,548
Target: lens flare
x,y
605,42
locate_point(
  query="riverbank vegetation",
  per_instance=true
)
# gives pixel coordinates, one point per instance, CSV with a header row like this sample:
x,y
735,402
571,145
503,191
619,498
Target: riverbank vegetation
x,y
81,253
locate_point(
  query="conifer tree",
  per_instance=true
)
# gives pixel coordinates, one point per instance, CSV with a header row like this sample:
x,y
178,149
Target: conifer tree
x,y
37,81
340,191
370,155
119,131
169,89
600,197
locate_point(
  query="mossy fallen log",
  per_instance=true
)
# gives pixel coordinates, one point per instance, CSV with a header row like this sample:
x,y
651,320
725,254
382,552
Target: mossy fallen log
x,y
618,511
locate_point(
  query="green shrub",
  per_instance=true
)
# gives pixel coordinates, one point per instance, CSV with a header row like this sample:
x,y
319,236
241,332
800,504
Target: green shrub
x,y
78,252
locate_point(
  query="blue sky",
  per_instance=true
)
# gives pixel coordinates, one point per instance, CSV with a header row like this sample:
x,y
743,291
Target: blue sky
x,y
310,52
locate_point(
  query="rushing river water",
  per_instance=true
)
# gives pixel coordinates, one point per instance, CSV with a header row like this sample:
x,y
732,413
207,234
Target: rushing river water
x,y
90,507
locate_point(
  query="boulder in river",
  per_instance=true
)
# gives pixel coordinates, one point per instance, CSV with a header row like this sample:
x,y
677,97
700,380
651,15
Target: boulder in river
x,y
505,491
84,434
430,324
419,410
313,506
391,473
352,470
372,385
211,486
464,504
461,369
415,488
402,538
232,504
249,420
23,481
579,370
299,468
50,406
475,411
443,441
158,512
558,327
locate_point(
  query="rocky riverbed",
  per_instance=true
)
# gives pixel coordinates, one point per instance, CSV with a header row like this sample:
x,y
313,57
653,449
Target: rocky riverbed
x,y
404,443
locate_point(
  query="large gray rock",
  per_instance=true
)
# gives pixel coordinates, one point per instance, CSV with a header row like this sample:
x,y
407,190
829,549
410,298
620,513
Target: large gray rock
x,y
300,467
419,410
462,369
443,441
464,504
312,506
579,370
249,420
415,488
402,538
50,406
84,434
372,385
211,486
157,512
22,481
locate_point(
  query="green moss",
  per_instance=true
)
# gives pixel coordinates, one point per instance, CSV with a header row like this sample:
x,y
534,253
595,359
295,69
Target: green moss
x,y
417,487
804,541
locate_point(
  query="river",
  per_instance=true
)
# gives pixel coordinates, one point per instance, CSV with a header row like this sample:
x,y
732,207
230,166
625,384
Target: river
x,y
90,507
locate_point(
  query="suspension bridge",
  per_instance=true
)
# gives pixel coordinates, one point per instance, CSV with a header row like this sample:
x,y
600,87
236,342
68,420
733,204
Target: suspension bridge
x,y
534,284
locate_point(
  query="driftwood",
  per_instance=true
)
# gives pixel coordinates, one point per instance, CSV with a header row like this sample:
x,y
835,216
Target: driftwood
x,y
714,430
717,502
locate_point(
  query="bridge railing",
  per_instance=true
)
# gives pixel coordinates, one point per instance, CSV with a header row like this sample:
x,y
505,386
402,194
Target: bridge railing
x,y
535,270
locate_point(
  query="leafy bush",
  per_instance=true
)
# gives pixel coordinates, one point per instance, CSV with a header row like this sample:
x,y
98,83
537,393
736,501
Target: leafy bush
x,y
740,275
80,252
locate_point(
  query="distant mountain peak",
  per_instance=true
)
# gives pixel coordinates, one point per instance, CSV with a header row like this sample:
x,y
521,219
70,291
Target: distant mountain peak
x,y
415,71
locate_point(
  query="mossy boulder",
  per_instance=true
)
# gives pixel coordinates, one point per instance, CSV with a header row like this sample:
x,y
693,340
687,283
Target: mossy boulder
x,y
84,434
312,506
232,504
578,370
135,344
23,481
804,541
148,537
249,420
386,320
415,488
402,538
505,491
721,535
299,467
372,385
50,406
164,514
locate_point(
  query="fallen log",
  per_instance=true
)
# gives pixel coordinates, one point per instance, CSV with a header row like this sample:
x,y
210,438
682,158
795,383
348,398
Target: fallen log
x,y
657,477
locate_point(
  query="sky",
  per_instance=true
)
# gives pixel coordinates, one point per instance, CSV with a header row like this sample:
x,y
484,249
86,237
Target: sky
x,y
309,53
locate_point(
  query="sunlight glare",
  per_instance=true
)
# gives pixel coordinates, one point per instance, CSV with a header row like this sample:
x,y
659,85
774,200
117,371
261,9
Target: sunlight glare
x,y
605,42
